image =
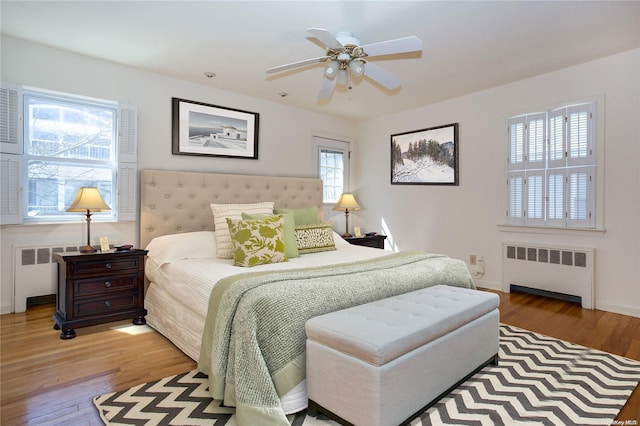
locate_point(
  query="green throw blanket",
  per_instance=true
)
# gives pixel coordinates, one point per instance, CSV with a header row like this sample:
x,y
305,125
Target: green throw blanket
x,y
253,345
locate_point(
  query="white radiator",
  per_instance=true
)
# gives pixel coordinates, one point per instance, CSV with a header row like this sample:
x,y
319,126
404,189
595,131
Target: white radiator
x,y
566,272
35,273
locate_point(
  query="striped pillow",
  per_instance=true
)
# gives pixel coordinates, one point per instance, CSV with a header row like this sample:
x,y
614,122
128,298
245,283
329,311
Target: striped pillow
x,y
224,247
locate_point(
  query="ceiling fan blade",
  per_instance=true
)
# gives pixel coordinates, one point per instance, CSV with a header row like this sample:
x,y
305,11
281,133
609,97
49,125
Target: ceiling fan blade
x,y
327,87
297,64
389,47
381,76
325,37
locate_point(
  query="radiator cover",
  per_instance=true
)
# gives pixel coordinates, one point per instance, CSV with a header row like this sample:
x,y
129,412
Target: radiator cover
x,y
35,273
555,269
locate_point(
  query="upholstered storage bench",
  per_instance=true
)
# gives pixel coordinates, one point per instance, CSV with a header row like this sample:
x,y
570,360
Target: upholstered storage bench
x,y
384,362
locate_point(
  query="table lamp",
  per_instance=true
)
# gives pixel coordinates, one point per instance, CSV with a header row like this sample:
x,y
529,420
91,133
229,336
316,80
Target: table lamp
x,y
346,203
88,200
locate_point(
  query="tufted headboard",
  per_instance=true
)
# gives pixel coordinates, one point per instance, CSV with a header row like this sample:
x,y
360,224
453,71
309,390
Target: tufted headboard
x,y
172,202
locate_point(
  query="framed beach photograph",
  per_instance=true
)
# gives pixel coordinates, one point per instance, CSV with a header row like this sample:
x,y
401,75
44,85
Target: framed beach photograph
x,y
426,156
210,130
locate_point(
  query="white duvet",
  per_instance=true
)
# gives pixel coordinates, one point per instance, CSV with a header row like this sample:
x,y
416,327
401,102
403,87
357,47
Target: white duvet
x,y
191,280
182,270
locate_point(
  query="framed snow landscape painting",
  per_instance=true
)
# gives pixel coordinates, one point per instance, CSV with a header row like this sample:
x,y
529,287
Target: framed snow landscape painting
x,y
203,129
425,157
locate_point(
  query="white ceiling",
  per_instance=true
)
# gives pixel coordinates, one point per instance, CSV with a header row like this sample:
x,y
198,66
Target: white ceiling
x,y
468,46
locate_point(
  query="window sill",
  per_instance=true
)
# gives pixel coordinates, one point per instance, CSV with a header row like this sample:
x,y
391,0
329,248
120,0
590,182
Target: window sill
x,y
549,230
54,223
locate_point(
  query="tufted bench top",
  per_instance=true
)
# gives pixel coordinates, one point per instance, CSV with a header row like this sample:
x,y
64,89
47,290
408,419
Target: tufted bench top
x,y
380,331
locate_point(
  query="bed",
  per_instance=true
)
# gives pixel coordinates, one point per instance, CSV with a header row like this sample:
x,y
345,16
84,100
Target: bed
x,y
244,326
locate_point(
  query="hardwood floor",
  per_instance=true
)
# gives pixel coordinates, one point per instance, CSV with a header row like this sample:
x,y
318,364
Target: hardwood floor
x,y
48,381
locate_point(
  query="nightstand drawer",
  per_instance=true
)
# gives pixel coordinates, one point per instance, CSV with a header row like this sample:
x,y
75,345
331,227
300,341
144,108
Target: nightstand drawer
x,y
371,242
105,305
104,285
130,263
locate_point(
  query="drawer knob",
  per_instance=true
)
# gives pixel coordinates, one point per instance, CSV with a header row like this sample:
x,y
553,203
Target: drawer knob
x,y
107,304
107,284
108,266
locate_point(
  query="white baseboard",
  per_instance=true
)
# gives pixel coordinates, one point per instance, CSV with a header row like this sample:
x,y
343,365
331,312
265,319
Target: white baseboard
x,y
632,311
6,309
615,308
491,285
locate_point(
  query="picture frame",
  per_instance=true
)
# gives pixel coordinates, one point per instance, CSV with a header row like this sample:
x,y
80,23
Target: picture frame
x,y
426,156
209,130
104,244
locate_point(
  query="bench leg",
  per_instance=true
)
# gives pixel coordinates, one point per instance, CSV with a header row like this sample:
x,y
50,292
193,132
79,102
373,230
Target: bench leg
x,y
314,409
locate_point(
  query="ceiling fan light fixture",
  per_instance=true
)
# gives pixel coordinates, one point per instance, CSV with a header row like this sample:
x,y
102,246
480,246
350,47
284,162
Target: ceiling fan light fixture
x,y
332,69
357,67
343,76
344,55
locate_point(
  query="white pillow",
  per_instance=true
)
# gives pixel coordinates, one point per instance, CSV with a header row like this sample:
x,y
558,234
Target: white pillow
x,y
188,245
224,247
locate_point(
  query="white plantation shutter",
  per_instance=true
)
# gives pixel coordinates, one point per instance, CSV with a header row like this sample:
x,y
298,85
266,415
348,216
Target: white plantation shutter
x,y
516,147
535,141
580,135
10,123
127,133
127,162
555,198
10,189
580,190
10,155
127,191
556,149
535,198
515,197
551,168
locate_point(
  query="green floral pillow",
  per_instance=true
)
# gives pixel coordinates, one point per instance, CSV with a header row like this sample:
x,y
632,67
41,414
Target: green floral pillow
x,y
288,231
257,241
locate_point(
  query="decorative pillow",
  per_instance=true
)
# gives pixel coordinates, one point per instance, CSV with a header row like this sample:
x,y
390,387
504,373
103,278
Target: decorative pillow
x,y
188,245
224,248
315,238
307,216
257,242
288,231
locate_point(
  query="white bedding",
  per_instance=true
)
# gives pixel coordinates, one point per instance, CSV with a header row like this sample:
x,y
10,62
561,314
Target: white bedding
x,y
182,273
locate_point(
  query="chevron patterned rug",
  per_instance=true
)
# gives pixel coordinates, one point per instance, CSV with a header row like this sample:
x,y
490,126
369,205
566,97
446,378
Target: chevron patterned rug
x,y
539,381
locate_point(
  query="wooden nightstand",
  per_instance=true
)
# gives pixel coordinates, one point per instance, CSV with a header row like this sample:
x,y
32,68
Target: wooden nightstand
x,y
94,288
377,241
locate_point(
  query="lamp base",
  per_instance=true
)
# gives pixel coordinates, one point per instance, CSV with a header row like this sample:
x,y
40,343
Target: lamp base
x,y
87,249
347,235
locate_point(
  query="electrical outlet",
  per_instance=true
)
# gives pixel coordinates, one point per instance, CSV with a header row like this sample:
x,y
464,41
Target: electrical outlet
x,y
472,259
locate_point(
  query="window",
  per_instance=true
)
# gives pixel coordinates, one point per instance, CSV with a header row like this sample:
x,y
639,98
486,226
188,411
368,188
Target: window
x,y
551,168
332,174
69,142
333,167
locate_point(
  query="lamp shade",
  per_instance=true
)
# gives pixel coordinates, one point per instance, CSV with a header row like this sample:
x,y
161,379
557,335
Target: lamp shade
x,y
88,199
332,69
347,202
357,67
343,76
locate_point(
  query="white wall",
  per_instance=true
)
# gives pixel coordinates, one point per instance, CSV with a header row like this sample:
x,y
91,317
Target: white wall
x,y
458,221
464,220
285,133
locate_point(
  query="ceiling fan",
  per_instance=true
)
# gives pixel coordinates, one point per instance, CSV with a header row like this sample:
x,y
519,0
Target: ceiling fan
x,y
345,56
